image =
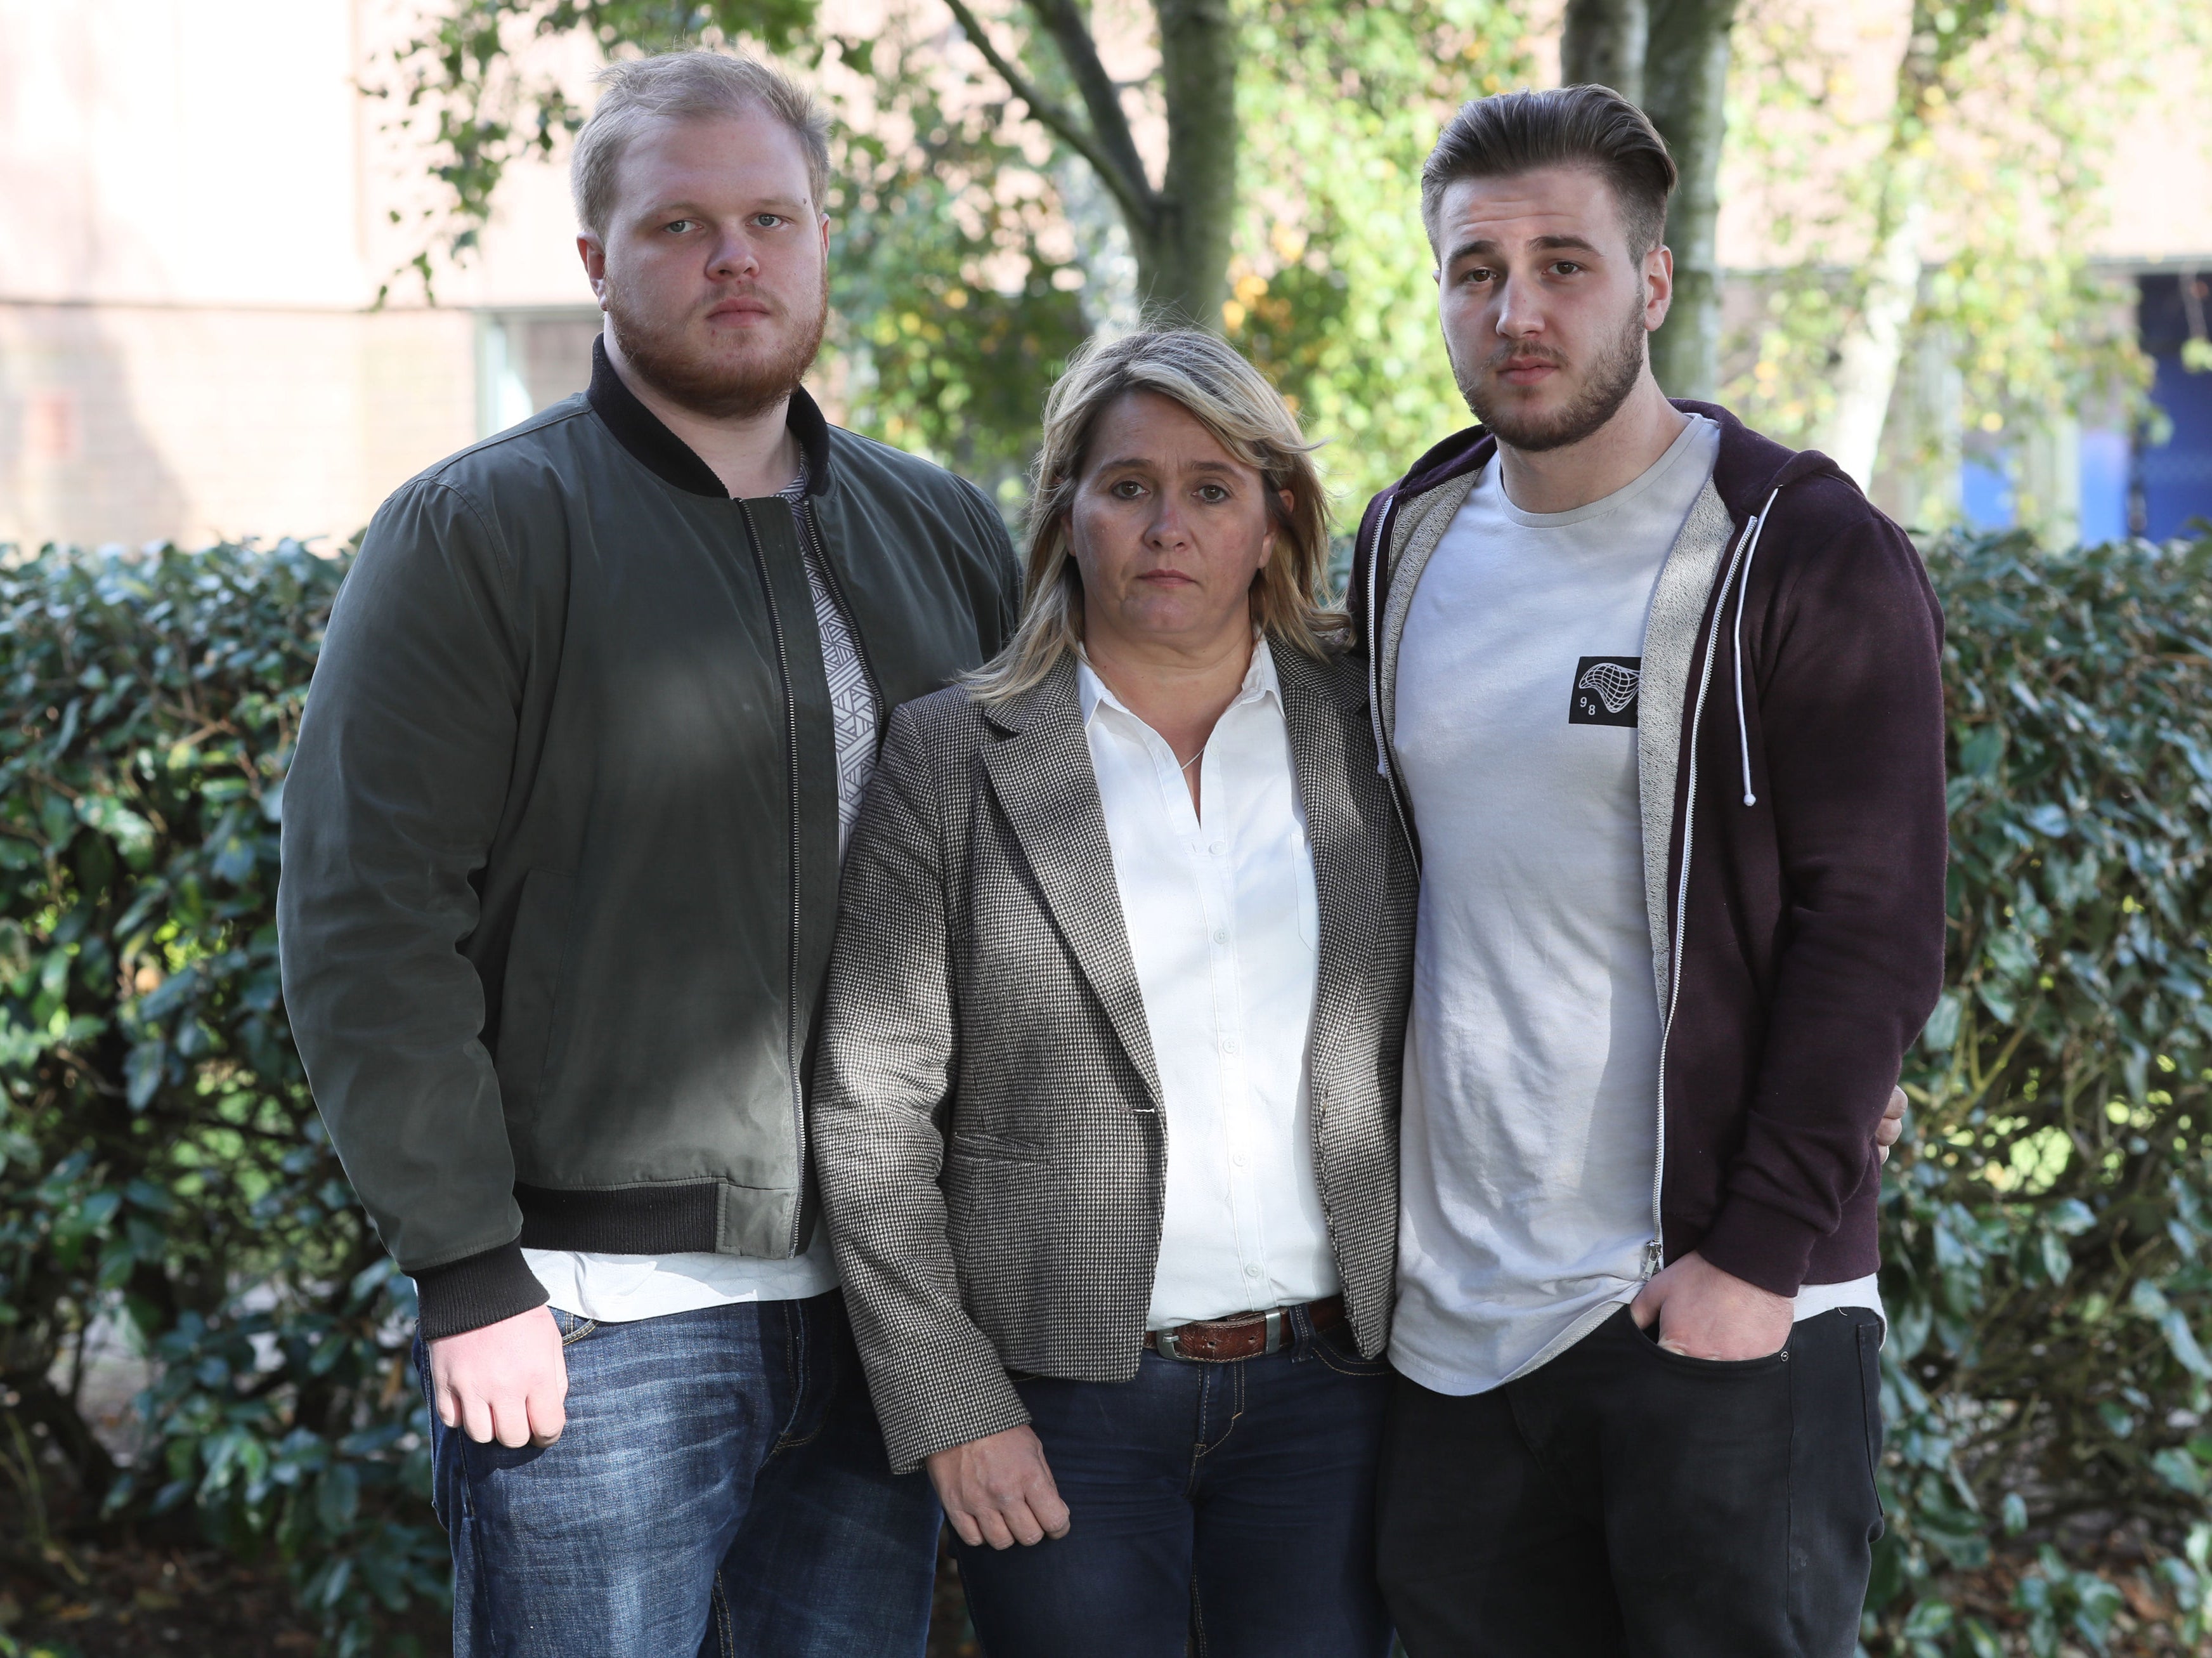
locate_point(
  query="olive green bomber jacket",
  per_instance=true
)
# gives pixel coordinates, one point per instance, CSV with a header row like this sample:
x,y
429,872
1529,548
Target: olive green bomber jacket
x,y
559,835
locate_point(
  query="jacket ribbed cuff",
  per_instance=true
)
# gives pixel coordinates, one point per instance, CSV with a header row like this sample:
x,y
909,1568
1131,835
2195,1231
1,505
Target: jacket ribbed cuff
x,y
476,1291
1760,1245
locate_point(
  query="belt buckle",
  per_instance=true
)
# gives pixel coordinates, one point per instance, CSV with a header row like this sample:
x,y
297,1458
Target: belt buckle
x,y
1278,1330
1165,1341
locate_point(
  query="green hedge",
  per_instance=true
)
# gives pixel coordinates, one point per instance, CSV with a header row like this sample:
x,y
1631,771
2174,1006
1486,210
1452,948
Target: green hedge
x,y
161,1163
2048,1226
2049,1232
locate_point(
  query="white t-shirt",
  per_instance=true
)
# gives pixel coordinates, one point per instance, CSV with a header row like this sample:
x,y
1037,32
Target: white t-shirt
x,y
1225,935
1532,1052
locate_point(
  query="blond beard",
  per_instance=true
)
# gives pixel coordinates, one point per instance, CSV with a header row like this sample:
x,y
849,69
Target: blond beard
x,y
665,360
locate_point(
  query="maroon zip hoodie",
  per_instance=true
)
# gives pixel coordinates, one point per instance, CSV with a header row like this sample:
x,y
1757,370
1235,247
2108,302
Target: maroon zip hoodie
x,y
1800,944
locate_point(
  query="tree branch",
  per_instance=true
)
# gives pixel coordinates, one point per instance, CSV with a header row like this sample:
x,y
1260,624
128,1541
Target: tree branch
x,y
1132,191
1100,96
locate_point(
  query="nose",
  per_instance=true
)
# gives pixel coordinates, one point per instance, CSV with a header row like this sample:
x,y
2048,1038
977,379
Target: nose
x,y
1519,315
734,256
1167,530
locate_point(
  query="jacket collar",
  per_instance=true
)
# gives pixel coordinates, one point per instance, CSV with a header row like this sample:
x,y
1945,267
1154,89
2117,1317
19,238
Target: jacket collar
x,y
673,461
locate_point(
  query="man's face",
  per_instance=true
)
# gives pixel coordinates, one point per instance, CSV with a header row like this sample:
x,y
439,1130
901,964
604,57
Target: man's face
x,y
1545,306
713,272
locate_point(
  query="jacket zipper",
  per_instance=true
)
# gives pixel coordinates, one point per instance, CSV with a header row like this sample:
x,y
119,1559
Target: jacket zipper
x,y
791,739
1655,1253
851,621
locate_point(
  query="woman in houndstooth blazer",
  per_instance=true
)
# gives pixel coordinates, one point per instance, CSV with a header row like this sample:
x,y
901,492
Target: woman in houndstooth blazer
x,y
1105,1108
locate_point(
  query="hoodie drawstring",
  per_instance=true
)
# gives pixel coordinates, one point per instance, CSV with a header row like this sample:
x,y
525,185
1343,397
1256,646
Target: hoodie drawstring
x,y
1743,590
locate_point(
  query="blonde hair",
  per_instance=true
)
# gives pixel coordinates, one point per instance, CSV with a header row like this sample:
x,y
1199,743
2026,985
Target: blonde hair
x,y
1247,416
687,86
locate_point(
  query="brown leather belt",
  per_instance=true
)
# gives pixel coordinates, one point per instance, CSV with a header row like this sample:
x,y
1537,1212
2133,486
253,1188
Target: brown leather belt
x,y
1242,1335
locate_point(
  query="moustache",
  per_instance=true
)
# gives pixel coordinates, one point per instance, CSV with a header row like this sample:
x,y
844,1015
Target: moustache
x,y
1521,356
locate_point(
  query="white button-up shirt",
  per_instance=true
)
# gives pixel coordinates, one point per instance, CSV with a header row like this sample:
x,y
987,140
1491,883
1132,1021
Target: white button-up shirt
x,y
1225,932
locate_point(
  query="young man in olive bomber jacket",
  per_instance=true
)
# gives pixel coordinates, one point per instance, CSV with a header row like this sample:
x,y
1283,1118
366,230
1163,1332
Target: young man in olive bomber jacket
x,y
562,840
1661,705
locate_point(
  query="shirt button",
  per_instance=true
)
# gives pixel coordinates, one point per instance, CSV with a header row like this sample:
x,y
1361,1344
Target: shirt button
x,y
1218,847
1238,1159
1251,1272
1221,935
1229,1044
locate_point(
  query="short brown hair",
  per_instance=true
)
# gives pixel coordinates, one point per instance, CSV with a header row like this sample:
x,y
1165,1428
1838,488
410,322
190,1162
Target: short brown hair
x,y
687,86
1587,126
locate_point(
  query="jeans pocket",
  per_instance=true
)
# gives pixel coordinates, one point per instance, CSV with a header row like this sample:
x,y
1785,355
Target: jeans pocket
x,y
574,1329
1336,1348
1869,1349
1715,1368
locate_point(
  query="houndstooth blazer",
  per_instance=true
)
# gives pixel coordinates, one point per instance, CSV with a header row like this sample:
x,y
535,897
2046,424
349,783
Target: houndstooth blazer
x,y
987,1114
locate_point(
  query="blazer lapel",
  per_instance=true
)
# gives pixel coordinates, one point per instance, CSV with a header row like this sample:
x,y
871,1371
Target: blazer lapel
x,y
1045,783
1351,857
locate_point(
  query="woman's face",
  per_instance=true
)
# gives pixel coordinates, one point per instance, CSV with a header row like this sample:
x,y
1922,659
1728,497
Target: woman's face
x,y
1168,528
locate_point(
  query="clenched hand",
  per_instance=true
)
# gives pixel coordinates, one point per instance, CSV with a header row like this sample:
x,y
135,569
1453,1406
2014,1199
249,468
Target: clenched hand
x,y
997,1490
507,1381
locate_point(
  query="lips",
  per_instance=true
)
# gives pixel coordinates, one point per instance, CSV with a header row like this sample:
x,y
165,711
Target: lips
x,y
734,308
1526,371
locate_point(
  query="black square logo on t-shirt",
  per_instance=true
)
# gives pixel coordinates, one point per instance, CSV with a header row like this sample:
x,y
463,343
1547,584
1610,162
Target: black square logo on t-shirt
x,y
1605,690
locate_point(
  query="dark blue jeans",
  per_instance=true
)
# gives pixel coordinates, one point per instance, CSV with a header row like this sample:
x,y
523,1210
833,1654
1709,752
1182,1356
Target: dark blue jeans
x,y
721,1489
1228,1505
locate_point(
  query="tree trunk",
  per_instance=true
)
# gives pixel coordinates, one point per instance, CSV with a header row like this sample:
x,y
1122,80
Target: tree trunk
x,y
1183,254
1685,67
1603,45
1871,349
1872,346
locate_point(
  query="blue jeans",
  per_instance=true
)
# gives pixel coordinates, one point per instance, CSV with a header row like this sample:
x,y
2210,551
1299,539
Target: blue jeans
x,y
1229,1505
721,1489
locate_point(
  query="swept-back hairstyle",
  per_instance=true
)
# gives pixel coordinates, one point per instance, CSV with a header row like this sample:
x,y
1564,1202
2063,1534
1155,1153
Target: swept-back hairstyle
x,y
686,86
1584,126
1247,416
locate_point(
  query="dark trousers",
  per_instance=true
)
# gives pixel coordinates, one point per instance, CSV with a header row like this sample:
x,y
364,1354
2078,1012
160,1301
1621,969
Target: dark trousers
x,y
1230,1506
1624,1500
721,1490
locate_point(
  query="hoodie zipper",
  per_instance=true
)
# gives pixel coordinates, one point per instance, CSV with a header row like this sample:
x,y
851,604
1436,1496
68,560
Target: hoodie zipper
x,y
791,739
1385,762
1655,1253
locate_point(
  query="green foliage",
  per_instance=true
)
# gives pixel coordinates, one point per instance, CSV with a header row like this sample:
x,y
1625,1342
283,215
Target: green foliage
x,y
1332,294
2047,1230
484,94
163,1176
2015,108
2048,1223
957,291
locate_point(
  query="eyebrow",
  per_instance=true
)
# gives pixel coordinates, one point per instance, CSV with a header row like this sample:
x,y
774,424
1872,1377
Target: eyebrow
x,y
1146,463
789,207
1544,244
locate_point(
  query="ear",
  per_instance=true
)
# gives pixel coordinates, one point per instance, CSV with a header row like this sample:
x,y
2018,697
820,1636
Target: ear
x,y
593,254
1658,286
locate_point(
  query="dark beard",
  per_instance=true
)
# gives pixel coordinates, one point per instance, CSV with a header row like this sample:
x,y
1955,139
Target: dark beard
x,y
1612,377
665,360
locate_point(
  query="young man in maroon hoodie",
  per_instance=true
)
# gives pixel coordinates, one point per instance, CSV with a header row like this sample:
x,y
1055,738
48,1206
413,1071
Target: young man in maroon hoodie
x,y
1661,704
